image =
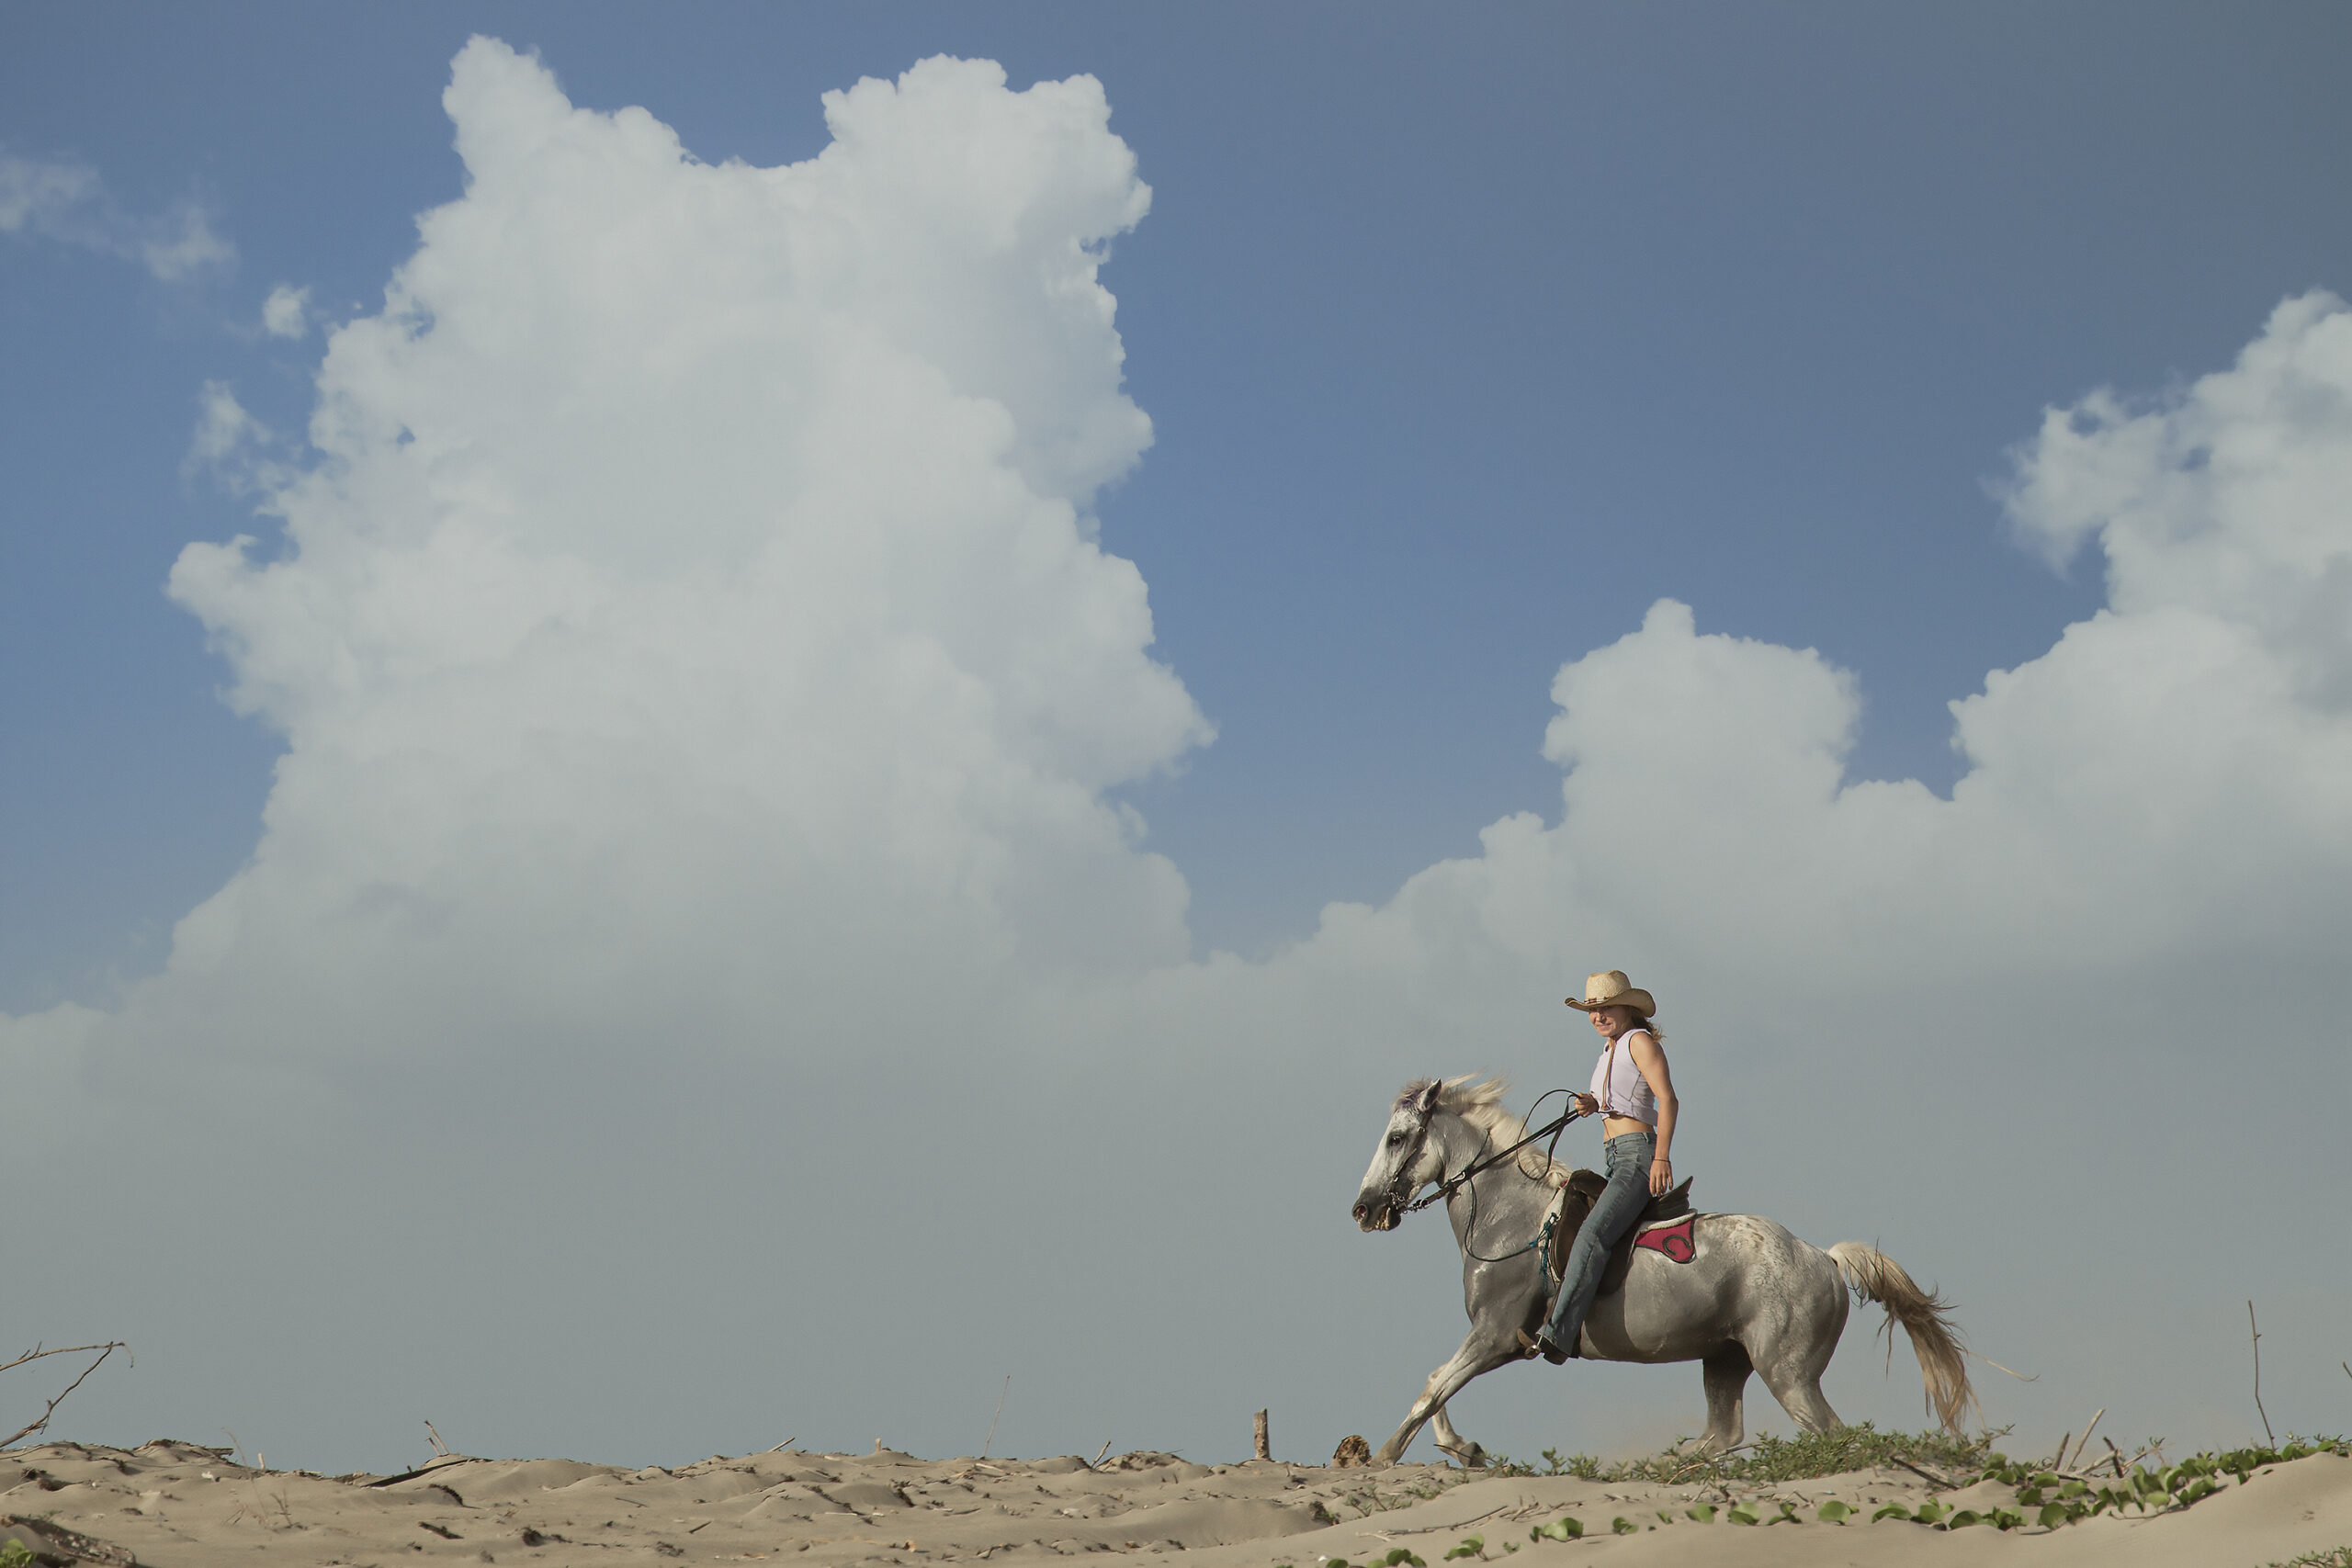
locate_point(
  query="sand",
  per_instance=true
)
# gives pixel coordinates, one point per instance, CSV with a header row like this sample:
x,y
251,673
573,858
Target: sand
x,y
178,1506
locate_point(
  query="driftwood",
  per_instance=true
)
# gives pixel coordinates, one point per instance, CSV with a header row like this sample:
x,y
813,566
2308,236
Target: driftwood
x,y
1258,1430
437,1462
37,1353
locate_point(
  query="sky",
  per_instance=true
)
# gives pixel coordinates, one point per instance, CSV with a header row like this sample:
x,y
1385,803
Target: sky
x,y
711,731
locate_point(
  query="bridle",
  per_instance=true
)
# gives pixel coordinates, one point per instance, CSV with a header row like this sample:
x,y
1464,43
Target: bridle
x,y
1447,1186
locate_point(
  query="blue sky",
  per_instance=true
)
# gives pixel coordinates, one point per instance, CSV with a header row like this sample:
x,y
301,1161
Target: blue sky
x,y
1467,336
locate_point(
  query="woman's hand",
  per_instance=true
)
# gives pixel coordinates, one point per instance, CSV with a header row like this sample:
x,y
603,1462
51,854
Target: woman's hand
x,y
1586,1105
1661,1177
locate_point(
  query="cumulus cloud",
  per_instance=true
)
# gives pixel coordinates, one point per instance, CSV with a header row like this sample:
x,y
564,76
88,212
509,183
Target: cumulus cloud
x,y
730,566
65,201
285,313
701,685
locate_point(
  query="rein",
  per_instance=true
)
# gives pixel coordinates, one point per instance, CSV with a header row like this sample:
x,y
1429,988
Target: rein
x,y
1448,1187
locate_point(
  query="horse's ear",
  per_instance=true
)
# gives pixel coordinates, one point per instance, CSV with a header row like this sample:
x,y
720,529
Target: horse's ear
x,y
1429,1097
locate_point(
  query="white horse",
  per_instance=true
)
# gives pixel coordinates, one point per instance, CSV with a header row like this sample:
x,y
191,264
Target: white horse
x,y
1752,1298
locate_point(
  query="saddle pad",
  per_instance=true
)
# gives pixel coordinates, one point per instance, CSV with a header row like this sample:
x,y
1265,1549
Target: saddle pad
x,y
1566,1214
1671,1237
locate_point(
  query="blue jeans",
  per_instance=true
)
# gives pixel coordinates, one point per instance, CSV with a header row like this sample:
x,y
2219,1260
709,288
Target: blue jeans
x,y
1613,1213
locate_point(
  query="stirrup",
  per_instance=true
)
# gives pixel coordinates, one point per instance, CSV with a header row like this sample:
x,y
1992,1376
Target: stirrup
x,y
1530,1347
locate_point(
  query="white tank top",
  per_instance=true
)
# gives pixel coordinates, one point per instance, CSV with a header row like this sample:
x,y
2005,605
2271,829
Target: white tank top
x,y
1618,1084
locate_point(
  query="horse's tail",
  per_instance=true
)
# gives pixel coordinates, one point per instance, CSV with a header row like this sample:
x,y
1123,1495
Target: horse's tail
x,y
1925,1317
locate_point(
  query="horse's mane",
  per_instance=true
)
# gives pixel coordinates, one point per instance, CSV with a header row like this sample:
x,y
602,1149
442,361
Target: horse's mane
x,y
1481,1105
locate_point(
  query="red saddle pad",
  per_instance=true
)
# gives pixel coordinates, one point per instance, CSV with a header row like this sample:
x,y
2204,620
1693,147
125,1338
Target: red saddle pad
x,y
1673,1240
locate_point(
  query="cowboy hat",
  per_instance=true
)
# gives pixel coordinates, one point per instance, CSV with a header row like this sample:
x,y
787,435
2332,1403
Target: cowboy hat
x,y
1613,990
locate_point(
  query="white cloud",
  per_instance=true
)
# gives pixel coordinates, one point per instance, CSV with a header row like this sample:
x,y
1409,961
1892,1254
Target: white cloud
x,y
222,425
671,519
285,312
2228,504
63,199
240,452
701,685
38,192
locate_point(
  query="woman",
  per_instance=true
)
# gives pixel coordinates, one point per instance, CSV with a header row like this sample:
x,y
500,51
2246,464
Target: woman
x,y
1633,1095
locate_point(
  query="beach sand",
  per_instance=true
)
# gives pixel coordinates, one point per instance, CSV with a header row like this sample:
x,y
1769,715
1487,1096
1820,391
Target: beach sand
x,y
178,1506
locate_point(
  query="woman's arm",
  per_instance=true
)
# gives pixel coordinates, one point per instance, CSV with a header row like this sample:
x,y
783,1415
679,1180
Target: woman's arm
x,y
1650,1058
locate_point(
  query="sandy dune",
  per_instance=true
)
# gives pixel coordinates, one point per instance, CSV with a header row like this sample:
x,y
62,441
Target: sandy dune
x,y
178,1506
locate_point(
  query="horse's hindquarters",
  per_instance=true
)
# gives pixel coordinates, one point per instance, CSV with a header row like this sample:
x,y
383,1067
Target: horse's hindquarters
x,y
1748,1281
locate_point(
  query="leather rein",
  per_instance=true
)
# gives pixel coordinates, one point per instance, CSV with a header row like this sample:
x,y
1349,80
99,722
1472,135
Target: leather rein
x,y
1449,1184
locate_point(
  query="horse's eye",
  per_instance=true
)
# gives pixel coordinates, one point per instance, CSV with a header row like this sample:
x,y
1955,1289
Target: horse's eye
x,y
1396,1138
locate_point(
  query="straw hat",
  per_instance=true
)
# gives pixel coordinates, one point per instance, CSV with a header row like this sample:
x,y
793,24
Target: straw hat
x,y
1613,990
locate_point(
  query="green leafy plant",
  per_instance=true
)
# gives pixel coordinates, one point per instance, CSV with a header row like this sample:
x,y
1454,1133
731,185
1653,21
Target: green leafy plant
x,y
1561,1528
1472,1546
16,1554
1771,1459
1621,1525
1702,1512
1833,1512
1741,1512
2058,1500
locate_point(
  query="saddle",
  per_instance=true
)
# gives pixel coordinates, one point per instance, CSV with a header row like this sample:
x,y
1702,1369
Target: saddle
x,y
1575,1203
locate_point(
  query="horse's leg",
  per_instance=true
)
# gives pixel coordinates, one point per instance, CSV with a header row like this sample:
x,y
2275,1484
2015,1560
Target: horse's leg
x,y
1479,1353
1800,1394
1792,1364
1792,1350
1467,1454
1727,1377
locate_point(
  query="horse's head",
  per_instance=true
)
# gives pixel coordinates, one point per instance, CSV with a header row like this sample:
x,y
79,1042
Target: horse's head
x,y
1403,1163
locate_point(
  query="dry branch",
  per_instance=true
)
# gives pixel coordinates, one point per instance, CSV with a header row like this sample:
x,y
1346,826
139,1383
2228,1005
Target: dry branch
x,y
37,1353
2256,1329
1000,1411
1939,1483
2085,1444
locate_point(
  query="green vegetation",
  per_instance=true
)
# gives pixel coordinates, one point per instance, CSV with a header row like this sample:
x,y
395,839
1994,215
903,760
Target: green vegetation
x,y
1771,1459
1372,1500
2055,1499
1389,1559
2044,1496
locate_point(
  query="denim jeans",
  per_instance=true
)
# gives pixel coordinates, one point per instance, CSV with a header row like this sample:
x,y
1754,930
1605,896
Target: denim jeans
x,y
1613,1213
